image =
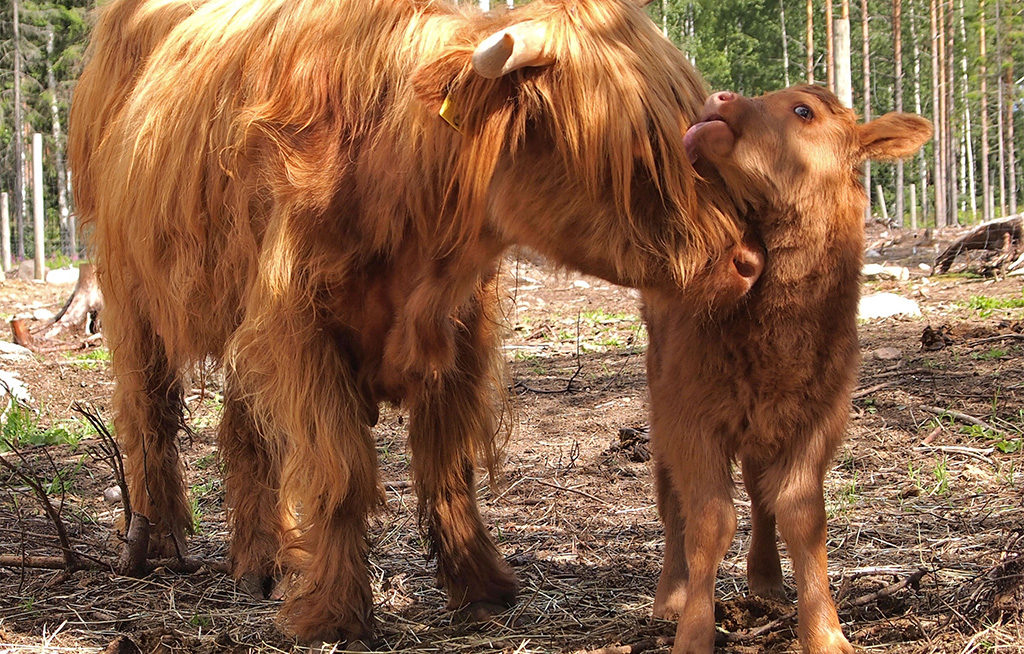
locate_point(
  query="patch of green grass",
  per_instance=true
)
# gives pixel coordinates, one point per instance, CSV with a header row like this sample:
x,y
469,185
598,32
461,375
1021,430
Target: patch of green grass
x,y
201,620
941,474
985,305
90,359
991,355
64,480
22,429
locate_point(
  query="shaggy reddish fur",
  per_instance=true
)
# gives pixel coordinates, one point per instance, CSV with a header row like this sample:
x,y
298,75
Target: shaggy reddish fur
x,y
767,382
268,183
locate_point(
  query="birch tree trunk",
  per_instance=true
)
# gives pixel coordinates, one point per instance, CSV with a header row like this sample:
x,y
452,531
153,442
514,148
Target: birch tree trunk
x,y
897,34
986,179
18,134
67,228
972,189
1010,142
830,50
785,42
922,166
949,112
810,42
999,111
843,72
866,52
939,139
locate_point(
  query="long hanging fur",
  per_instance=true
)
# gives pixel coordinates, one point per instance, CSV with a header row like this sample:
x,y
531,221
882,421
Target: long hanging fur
x,y
268,183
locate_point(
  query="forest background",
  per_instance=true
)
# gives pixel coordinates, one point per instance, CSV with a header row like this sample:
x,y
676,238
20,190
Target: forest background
x,y
958,62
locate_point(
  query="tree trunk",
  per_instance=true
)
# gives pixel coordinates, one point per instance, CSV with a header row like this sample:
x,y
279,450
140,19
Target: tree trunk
x,y
5,234
986,179
67,227
939,138
38,213
1011,167
810,42
1000,133
18,134
922,166
897,34
972,187
844,74
785,42
866,52
949,113
830,51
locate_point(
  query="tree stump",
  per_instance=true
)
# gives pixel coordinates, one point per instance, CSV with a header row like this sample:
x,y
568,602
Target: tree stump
x,y
997,235
81,311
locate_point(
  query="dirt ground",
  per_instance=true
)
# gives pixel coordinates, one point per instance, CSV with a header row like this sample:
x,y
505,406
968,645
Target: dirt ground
x,y
926,509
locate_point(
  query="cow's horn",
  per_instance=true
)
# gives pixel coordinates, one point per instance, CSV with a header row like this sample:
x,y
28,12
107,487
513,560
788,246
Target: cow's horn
x,y
518,46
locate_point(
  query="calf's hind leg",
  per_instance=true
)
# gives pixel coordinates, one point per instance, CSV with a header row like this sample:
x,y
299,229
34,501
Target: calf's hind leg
x,y
800,511
451,427
147,416
764,569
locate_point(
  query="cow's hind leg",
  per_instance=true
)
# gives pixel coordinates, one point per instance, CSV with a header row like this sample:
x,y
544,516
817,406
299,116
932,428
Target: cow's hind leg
x,y
251,483
764,569
451,427
299,383
147,416
800,513
671,594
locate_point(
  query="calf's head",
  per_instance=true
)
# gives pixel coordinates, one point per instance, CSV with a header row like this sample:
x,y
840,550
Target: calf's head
x,y
796,148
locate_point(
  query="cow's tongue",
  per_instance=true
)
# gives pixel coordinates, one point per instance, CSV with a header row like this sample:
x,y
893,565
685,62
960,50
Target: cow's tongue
x,y
708,136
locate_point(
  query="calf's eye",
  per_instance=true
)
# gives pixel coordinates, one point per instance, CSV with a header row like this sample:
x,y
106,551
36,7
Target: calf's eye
x,y
803,111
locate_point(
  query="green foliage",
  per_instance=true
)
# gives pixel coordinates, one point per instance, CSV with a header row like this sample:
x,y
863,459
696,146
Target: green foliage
x,y
985,305
21,428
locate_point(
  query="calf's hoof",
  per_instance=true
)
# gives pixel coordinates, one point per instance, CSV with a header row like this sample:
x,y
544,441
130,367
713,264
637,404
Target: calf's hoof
x,y
769,589
669,599
831,643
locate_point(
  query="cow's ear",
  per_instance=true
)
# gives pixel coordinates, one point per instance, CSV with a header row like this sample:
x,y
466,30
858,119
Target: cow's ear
x,y
522,45
893,136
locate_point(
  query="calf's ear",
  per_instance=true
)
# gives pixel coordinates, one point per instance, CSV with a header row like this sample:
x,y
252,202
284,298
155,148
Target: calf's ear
x,y
893,136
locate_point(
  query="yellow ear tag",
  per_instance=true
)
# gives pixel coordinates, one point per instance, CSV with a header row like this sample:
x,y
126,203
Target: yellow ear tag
x,y
449,114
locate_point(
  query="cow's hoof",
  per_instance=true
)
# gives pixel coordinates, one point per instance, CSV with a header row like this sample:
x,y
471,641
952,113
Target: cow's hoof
x,y
355,645
481,611
257,584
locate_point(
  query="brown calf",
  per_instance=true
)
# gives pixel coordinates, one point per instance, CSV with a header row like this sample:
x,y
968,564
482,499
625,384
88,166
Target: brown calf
x,y
767,382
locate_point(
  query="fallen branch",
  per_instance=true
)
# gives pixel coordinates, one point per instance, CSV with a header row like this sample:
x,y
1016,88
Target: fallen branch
x,y
175,565
871,389
963,417
26,472
633,648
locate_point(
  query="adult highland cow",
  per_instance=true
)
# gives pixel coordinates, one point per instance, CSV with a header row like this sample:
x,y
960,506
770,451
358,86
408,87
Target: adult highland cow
x,y
269,183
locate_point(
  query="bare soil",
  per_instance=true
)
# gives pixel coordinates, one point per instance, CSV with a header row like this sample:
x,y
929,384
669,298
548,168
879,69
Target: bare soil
x,y
926,510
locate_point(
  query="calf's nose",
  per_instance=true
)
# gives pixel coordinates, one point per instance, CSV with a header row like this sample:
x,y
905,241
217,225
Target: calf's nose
x,y
717,99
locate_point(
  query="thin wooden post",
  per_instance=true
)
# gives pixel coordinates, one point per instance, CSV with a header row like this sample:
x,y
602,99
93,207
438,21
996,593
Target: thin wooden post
x,y
37,204
881,203
913,206
5,231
